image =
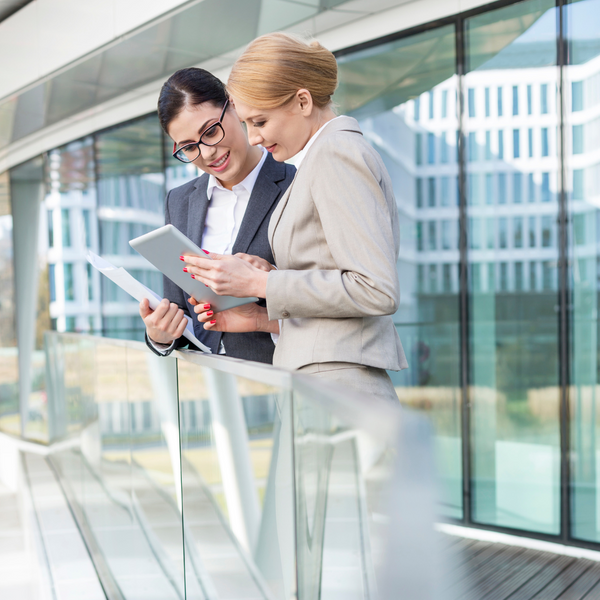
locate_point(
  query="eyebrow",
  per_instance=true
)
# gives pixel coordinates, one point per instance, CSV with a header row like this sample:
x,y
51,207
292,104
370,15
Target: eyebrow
x,y
202,129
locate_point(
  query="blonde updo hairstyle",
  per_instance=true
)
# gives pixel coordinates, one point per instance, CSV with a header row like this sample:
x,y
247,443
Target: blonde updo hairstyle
x,y
275,66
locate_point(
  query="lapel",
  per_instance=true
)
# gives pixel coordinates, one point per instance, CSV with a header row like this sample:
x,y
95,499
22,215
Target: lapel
x,y
342,123
264,194
197,209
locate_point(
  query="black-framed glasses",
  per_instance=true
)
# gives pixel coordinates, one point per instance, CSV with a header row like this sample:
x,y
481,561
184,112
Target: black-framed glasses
x,y
211,137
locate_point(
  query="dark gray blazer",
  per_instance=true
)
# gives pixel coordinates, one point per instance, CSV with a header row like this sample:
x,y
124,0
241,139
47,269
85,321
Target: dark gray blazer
x,y
186,208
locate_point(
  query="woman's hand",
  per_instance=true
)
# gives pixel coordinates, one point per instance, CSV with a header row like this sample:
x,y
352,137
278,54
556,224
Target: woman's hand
x,y
164,324
241,319
256,261
228,275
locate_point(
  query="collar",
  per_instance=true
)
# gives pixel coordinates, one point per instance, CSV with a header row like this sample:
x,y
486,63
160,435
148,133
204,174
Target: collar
x,y
247,183
298,158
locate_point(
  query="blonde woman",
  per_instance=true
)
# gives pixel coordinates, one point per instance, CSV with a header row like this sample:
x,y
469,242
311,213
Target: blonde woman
x,y
334,235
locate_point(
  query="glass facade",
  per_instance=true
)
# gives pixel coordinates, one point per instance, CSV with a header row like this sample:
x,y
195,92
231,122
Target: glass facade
x,y
502,341
488,126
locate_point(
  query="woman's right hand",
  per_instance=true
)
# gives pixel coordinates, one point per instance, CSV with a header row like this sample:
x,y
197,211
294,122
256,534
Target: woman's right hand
x,y
241,319
164,324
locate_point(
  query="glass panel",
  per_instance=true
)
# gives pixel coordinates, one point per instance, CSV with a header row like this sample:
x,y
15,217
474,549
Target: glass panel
x,y
131,190
582,78
237,485
404,97
9,370
123,477
513,322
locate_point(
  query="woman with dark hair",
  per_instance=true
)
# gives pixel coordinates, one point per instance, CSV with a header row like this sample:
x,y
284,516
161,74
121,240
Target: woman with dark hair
x,y
226,210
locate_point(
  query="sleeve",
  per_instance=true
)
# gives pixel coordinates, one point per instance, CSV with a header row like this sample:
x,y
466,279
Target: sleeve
x,y
360,227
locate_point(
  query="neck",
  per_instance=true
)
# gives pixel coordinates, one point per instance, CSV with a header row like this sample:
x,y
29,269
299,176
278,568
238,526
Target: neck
x,y
322,116
252,159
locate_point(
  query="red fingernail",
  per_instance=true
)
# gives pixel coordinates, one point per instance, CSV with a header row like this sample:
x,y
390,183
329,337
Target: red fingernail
x,y
205,251
210,313
193,277
206,306
213,322
185,269
181,258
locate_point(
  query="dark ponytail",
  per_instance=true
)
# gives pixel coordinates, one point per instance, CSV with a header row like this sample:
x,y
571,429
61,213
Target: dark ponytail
x,y
188,87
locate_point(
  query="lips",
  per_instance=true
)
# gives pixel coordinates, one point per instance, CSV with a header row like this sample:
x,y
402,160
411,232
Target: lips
x,y
221,163
270,148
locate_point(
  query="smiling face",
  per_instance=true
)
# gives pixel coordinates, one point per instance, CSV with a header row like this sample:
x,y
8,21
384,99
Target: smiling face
x,y
232,159
282,131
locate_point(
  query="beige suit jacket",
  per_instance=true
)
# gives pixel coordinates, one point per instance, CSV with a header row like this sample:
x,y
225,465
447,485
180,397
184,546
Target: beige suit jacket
x,y
335,238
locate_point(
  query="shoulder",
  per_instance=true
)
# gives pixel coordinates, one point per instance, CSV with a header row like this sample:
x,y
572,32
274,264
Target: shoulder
x,y
277,171
183,191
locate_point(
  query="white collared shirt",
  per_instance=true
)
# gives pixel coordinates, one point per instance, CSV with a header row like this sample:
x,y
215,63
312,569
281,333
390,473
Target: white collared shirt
x,y
298,158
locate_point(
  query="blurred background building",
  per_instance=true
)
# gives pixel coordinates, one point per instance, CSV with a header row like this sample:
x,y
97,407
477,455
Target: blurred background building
x,y
487,116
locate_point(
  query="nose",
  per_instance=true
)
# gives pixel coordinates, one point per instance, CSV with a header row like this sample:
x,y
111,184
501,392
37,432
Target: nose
x,y
209,153
254,137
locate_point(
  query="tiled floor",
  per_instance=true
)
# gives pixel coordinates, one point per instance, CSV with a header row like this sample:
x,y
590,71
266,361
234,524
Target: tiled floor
x,y
493,571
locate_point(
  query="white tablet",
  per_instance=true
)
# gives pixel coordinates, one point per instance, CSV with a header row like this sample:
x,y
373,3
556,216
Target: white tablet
x,y
163,247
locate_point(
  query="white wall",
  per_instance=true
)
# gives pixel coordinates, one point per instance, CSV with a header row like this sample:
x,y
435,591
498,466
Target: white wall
x,y
46,35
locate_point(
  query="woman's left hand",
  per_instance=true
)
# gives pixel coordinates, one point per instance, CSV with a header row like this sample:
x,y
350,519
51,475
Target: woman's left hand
x,y
228,275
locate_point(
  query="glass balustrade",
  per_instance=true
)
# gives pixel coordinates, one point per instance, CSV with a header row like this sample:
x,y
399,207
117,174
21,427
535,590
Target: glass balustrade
x,y
203,477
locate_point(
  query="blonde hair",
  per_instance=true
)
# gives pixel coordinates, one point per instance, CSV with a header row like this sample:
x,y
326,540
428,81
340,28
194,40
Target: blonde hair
x,y
275,66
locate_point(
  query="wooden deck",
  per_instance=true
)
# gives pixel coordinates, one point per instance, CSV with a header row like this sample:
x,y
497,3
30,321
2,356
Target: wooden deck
x,y
493,571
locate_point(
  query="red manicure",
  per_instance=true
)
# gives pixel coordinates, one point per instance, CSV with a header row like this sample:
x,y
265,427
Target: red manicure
x,y
206,306
185,269
181,258
213,322
205,251
193,277
210,313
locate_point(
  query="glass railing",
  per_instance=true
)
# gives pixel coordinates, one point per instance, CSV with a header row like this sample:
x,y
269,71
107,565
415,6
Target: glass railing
x,y
204,477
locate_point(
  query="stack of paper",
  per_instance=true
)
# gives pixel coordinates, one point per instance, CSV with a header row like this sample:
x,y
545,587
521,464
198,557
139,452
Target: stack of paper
x,y
139,291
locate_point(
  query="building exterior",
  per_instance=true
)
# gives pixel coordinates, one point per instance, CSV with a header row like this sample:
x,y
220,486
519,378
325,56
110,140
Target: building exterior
x,y
486,115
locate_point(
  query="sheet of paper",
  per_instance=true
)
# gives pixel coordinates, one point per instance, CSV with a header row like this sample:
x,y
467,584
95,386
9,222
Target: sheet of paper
x,y
139,291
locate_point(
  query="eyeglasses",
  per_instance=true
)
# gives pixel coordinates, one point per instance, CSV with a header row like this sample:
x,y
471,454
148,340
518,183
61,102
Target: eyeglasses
x,y
211,137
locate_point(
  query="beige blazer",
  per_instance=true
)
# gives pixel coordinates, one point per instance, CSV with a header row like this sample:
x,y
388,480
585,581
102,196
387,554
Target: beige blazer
x,y
335,238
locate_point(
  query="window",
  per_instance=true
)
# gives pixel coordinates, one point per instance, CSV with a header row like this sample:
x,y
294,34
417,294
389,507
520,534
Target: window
x,y
66,227
421,278
517,232
473,190
529,105
515,100
488,145
431,148
447,278
419,232
443,148
417,106
432,235
502,233
503,277
499,101
532,277
501,188
431,99
433,287
487,101
530,141
52,282
490,229
500,144
472,146
516,144
545,187
546,231
475,233
544,98
532,234
579,229
431,191
419,192
517,188
418,148
50,229
69,285
530,187
471,102
489,188
444,104
90,282
87,225
577,139
518,276
548,275
578,189
576,96
476,276
446,235
445,191
545,149
491,277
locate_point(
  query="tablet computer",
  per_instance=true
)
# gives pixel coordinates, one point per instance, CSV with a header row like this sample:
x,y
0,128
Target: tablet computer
x,y
163,247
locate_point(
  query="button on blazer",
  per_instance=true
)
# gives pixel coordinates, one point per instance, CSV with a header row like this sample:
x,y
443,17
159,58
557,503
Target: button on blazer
x,y
186,207
335,238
